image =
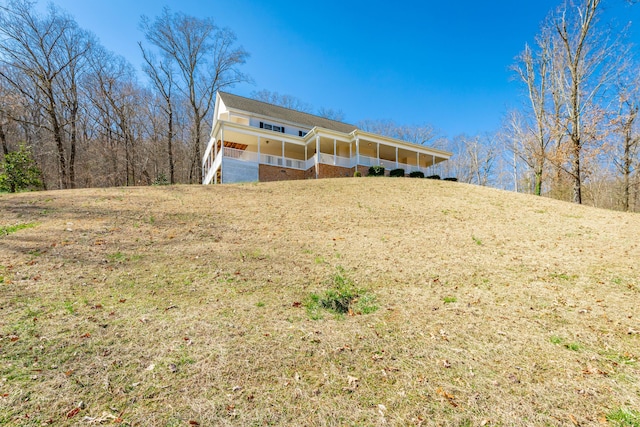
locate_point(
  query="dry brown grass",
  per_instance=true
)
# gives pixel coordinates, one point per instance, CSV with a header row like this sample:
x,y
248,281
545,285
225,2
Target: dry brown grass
x,y
185,305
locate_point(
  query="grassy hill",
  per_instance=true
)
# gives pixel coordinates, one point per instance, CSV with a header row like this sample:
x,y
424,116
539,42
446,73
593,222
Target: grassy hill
x,y
189,305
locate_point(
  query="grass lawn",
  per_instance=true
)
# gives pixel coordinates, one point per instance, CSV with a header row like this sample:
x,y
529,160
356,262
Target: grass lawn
x,y
371,301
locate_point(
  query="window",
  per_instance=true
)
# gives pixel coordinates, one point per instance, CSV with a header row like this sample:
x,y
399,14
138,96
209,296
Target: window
x,y
302,133
274,128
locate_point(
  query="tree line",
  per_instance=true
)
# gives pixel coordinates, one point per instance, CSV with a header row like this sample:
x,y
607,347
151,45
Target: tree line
x,y
86,120
82,111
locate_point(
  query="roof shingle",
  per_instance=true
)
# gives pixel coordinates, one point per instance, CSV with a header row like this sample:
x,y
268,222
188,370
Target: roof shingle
x,y
282,113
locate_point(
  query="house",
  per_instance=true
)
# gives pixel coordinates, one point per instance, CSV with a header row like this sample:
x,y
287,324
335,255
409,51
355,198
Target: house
x,y
256,141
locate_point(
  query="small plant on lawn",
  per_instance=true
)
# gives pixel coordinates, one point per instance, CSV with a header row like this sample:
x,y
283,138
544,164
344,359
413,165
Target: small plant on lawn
x,y
476,240
555,340
573,346
343,297
396,173
116,257
357,174
13,228
449,300
376,171
624,418
416,174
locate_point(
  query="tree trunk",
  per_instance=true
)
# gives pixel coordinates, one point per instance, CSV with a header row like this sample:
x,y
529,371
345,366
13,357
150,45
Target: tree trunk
x,y
575,173
626,173
3,140
172,178
537,189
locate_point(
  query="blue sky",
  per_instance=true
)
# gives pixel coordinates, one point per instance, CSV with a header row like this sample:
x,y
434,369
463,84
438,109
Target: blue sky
x,y
445,63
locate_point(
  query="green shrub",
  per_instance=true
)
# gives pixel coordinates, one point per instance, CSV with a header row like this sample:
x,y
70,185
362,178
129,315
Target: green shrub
x,y
161,179
433,177
19,171
357,174
376,171
397,172
416,174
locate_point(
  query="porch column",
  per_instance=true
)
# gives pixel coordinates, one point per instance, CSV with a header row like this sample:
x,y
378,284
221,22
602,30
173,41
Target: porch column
x,y
258,149
433,164
350,153
357,152
283,162
418,160
396,157
378,152
305,155
334,151
317,155
221,143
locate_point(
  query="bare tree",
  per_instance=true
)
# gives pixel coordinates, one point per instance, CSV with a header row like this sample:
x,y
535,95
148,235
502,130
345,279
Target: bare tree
x,y
587,63
331,114
532,137
625,124
417,134
38,48
162,78
206,58
287,101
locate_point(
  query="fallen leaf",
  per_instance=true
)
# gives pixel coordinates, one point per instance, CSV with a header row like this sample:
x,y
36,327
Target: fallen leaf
x,y
193,423
72,413
450,397
87,335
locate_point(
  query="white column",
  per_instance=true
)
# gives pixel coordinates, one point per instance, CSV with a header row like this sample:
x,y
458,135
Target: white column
x,y
283,163
334,151
258,150
350,153
378,152
418,160
357,152
305,153
317,155
396,157
222,142
433,164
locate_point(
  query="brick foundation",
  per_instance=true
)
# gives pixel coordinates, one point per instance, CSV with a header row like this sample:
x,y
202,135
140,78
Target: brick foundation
x,y
330,171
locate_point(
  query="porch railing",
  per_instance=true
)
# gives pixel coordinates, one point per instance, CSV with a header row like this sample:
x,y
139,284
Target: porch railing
x,y
324,158
330,159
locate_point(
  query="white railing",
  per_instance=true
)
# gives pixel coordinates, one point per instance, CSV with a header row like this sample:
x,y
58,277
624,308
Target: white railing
x,y
330,159
234,153
324,158
286,162
368,161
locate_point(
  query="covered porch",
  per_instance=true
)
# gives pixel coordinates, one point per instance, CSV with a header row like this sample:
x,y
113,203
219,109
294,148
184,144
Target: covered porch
x,y
341,154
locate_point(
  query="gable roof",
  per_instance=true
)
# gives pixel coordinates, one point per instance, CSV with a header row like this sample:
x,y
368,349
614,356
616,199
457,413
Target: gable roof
x,y
269,110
